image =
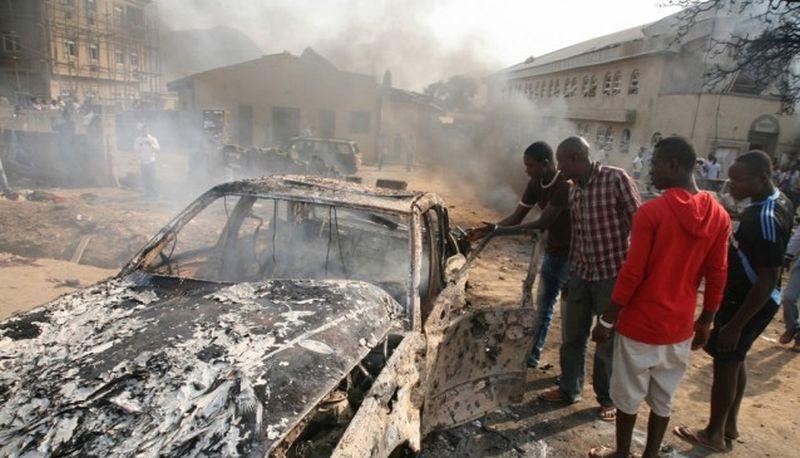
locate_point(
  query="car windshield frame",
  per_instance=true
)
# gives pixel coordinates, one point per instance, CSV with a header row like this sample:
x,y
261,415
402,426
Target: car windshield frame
x,y
412,231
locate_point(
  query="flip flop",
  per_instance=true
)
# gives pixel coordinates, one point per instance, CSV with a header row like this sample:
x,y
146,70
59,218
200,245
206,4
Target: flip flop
x,y
608,413
555,396
694,437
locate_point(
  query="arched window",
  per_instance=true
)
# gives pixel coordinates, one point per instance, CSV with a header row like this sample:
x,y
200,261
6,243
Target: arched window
x,y
633,85
608,139
536,89
600,138
593,86
557,88
616,86
625,141
574,86
607,84
550,88
529,90
585,86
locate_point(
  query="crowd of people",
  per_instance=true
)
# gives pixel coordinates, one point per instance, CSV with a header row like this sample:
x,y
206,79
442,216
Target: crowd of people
x,y
629,275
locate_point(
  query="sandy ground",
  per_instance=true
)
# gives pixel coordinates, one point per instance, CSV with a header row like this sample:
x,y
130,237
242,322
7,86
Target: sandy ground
x,y
27,282
120,221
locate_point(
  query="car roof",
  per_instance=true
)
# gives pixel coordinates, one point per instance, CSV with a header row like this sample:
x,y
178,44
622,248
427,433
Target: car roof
x,y
329,191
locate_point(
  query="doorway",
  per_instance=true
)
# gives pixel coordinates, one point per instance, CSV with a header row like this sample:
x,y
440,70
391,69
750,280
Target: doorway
x,y
327,123
763,134
286,123
244,125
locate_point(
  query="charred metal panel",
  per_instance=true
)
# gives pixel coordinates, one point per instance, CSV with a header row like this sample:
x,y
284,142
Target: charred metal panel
x,y
476,358
390,414
149,367
480,366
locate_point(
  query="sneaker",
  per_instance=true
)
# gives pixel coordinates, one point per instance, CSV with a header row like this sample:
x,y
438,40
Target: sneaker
x,y
787,337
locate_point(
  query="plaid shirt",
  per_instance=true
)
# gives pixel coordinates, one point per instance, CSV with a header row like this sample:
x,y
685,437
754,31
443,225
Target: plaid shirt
x,y
602,210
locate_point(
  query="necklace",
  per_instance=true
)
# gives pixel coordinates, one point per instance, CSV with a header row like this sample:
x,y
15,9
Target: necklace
x,y
545,186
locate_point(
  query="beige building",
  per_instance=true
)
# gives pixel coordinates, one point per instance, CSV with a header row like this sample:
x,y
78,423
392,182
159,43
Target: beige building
x,y
280,96
625,90
99,50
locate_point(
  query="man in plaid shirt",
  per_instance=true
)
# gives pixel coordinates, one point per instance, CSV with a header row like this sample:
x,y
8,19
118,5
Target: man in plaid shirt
x,y
602,203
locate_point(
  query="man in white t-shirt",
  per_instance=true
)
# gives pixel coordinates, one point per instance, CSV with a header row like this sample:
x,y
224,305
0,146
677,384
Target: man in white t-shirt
x,y
146,147
712,167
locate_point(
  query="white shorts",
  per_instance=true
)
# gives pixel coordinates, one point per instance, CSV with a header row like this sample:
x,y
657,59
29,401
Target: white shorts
x,y
647,372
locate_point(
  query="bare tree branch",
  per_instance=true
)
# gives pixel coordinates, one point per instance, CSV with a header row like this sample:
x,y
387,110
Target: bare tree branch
x,y
763,60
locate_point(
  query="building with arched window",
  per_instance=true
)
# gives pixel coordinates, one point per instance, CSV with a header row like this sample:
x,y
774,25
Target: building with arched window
x,y
652,84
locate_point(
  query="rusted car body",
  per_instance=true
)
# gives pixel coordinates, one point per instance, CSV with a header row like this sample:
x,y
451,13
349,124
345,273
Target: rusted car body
x,y
329,157
322,317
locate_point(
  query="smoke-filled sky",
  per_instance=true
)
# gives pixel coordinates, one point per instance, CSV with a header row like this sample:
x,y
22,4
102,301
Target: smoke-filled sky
x,y
421,41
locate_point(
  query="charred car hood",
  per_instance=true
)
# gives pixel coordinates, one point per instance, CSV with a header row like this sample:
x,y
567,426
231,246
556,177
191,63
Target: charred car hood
x,y
149,366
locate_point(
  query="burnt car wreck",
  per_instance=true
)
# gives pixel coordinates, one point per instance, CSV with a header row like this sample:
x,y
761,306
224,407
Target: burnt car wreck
x,y
329,157
281,316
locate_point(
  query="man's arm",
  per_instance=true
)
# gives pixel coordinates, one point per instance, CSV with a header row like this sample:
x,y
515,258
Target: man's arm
x,y
558,204
631,274
549,215
715,272
515,218
755,300
630,201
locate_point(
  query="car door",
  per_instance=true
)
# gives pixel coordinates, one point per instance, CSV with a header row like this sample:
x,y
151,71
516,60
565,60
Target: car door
x,y
476,354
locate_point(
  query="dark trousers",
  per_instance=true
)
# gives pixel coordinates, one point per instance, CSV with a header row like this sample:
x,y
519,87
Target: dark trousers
x,y
585,300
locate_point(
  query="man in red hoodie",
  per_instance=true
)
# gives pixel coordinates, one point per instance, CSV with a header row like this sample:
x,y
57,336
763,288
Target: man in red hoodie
x,y
677,240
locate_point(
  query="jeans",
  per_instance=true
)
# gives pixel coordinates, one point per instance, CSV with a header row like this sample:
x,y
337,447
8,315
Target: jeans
x,y
585,299
791,292
552,278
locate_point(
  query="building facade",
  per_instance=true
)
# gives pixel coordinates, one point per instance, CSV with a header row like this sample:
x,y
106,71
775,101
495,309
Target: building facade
x,y
101,51
624,91
279,96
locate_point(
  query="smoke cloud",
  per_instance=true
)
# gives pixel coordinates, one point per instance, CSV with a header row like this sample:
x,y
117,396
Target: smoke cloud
x,y
365,36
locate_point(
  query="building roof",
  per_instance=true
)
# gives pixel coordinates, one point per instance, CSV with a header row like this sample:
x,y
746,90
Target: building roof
x,y
650,38
309,57
594,44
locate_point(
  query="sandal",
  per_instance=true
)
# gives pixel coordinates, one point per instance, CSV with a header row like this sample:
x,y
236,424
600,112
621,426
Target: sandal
x,y
608,413
696,437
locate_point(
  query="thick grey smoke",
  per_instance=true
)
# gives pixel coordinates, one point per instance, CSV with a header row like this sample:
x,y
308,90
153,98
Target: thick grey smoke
x,y
366,36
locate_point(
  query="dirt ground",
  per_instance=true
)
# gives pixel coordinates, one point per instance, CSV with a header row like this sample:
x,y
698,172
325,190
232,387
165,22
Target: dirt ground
x,y
118,222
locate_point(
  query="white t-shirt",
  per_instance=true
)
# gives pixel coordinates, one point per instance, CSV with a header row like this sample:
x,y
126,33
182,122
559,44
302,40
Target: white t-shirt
x,y
146,147
712,170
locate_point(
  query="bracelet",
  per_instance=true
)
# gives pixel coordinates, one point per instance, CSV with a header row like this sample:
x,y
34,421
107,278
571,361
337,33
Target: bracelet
x,y
604,323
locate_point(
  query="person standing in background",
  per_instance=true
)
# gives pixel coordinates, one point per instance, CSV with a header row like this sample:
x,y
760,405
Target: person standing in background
x,y
146,146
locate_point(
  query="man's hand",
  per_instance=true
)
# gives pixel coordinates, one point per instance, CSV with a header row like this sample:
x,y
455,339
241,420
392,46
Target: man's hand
x,y
701,332
600,333
728,338
476,233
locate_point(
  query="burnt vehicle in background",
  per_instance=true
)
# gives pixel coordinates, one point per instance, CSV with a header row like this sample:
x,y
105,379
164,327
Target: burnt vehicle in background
x,y
281,316
329,157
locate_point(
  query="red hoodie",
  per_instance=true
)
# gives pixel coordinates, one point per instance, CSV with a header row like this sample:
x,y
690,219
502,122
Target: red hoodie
x,y
676,241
